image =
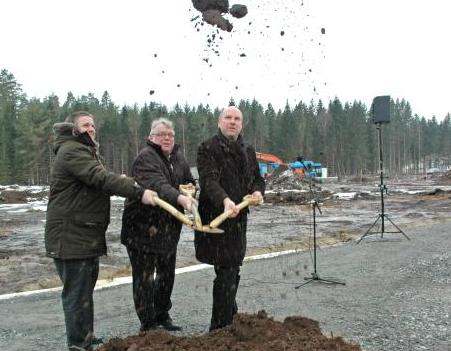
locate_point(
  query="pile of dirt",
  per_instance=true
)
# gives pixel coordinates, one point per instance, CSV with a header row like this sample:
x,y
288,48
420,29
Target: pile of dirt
x,y
22,196
446,177
284,186
13,197
286,179
247,333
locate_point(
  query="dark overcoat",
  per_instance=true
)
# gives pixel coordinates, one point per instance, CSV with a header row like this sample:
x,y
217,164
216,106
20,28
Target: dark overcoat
x,y
153,227
78,211
226,169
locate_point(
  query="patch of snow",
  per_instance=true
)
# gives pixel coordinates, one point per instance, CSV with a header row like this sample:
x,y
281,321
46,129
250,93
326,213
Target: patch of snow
x,y
40,208
410,192
285,191
345,196
12,206
22,210
33,189
287,173
40,205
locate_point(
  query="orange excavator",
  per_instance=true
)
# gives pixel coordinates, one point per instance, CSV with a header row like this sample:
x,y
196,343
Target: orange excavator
x,y
269,162
267,158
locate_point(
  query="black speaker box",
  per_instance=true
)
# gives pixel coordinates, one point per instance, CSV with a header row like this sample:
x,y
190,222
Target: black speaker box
x,y
380,109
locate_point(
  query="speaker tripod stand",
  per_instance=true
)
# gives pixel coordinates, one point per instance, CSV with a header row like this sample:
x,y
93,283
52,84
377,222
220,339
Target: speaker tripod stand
x,y
383,188
314,275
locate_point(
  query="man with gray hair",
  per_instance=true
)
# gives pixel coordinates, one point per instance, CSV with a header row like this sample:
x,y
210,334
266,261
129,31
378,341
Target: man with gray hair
x,y
151,235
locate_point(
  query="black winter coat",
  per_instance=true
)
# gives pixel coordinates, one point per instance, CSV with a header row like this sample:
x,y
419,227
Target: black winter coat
x,y
78,211
226,169
153,226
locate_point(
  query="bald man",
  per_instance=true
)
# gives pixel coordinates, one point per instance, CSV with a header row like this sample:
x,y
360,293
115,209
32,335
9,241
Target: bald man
x,y
228,170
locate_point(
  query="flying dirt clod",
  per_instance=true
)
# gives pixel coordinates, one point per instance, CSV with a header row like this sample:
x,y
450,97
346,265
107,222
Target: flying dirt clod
x,y
213,10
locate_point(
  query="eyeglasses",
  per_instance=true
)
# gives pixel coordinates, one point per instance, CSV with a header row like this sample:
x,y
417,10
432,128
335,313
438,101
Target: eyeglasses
x,y
165,135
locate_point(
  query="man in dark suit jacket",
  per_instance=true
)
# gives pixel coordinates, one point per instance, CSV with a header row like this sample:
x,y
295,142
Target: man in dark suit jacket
x,y
228,171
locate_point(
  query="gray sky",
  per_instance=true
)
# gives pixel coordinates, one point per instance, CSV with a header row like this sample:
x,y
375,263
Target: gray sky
x,y
398,47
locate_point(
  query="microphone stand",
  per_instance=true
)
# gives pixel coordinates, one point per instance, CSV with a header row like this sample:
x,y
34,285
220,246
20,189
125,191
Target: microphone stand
x,y
315,206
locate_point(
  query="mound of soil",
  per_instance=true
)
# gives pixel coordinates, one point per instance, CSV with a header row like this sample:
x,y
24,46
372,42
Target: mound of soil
x,y
247,333
446,177
13,197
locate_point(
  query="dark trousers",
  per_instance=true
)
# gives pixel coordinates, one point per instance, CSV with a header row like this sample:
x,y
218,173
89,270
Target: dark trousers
x,y
152,296
225,287
79,278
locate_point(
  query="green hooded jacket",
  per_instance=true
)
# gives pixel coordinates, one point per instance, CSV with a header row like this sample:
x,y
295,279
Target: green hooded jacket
x,y
78,211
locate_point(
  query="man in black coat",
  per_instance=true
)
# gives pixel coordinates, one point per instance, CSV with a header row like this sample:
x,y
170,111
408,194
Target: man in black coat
x,y
228,171
151,235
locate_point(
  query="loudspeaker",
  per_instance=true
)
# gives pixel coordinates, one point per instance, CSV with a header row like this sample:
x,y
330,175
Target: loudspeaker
x,y
380,109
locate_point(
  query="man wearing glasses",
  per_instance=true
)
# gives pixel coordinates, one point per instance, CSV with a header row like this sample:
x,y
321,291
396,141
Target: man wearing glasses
x,y
151,235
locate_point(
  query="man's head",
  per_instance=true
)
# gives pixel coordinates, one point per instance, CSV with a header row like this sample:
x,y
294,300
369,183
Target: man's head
x,y
162,133
231,122
83,122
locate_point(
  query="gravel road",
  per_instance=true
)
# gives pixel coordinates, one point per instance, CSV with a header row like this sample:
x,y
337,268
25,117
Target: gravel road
x,y
397,296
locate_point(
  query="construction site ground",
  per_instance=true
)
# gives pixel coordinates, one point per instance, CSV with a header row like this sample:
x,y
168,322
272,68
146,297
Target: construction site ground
x,y
397,297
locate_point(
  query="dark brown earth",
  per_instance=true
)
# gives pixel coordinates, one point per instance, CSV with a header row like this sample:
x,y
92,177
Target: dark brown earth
x,y
13,197
249,332
212,12
204,5
238,11
446,178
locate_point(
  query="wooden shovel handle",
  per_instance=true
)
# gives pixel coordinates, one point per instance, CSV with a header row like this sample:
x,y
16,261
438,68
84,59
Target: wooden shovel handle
x,y
190,190
247,201
173,211
196,214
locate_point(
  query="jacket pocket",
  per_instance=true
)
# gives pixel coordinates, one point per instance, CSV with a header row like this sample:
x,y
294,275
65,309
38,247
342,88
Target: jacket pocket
x,y
85,234
54,229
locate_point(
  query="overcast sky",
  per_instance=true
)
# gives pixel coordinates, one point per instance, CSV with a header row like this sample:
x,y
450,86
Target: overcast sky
x,y
386,47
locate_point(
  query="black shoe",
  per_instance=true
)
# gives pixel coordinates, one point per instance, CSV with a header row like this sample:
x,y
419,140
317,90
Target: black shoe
x,y
79,348
96,341
168,325
145,328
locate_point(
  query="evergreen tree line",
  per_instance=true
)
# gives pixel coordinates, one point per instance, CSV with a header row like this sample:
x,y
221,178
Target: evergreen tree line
x,y
340,135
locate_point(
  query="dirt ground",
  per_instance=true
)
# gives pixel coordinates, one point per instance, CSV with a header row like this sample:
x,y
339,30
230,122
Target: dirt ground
x,y
282,223
249,332
397,295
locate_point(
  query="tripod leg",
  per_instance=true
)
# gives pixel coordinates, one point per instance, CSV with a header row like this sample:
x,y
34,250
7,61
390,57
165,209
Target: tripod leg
x,y
399,229
330,281
368,231
308,280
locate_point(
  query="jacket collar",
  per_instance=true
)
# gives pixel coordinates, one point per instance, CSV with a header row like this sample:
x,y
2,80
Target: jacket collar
x,y
226,142
157,148
64,132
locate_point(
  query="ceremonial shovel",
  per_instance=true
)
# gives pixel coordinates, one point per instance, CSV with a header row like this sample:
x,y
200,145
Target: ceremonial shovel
x,y
248,200
190,190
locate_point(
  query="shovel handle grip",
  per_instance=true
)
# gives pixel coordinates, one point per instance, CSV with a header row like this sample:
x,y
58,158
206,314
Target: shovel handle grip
x,y
173,211
223,216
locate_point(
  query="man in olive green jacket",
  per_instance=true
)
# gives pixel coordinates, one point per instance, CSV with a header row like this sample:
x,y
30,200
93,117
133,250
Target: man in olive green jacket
x,y
78,215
